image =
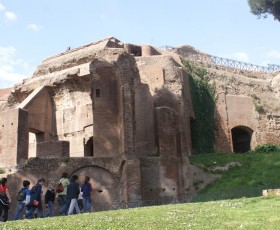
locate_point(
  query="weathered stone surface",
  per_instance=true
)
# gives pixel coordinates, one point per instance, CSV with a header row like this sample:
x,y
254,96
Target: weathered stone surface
x,y
99,110
247,104
120,113
271,192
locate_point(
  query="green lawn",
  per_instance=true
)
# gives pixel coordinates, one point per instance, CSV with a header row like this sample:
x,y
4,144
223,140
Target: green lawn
x,y
244,213
256,171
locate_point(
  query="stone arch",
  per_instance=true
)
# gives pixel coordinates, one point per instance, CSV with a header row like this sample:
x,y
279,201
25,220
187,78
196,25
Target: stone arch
x,y
88,148
104,183
241,139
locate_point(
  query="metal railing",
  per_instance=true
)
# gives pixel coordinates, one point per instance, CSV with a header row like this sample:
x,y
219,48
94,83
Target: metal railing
x,y
228,62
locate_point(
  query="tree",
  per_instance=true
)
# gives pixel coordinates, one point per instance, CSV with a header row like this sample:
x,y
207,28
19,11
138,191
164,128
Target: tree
x,y
263,7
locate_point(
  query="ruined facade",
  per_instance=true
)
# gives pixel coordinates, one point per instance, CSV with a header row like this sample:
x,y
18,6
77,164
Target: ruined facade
x,y
116,112
121,114
247,111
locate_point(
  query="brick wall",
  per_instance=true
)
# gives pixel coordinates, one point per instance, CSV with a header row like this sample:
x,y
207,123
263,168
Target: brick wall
x,y
13,137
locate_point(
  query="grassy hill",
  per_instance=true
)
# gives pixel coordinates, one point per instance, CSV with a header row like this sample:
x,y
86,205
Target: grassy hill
x,y
244,213
247,175
250,170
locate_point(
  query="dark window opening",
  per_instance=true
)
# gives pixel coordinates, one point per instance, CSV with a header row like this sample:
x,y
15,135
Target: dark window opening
x,y
241,139
97,92
136,51
88,148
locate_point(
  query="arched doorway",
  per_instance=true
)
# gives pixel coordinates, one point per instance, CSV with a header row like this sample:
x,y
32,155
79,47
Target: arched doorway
x,y
88,148
104,184
241,139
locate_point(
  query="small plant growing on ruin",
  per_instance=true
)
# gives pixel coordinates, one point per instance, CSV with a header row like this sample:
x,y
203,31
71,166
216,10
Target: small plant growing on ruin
x,y
201,72
255,97
2,171
187,65
259,108
66,159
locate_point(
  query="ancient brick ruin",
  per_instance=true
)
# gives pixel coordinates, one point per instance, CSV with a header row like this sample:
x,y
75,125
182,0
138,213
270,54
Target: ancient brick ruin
x,y
247,111
117,112
121,113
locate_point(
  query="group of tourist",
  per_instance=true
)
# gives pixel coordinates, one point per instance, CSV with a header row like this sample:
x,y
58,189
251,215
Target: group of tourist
x,y
73,198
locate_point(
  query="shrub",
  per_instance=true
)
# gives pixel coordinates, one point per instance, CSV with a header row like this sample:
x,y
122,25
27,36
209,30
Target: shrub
x,y
267,148
66,159
259,108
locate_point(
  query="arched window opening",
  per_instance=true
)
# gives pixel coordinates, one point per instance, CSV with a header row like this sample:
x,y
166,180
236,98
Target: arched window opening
x,y
88,148
241,139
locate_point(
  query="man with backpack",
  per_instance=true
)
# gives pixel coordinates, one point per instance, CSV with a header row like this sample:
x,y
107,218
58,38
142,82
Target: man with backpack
x,y
23,198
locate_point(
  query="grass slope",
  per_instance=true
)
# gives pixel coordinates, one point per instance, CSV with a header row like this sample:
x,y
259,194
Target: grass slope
x,y
244,213
257,170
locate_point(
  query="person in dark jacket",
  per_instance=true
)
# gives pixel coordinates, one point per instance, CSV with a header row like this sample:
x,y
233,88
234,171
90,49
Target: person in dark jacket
x,y
73,191
35,200
86,191
49,200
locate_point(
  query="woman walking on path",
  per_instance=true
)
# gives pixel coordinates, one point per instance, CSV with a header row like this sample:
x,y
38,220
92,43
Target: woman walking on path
x,y
64,181
5,199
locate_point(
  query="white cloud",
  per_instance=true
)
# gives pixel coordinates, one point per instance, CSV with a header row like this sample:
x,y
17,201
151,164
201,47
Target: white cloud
x,y
240,56
12,69
34,27
1,7
10,16
273,54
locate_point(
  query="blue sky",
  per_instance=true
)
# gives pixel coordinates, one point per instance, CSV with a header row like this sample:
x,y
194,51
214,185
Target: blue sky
x,y
33,30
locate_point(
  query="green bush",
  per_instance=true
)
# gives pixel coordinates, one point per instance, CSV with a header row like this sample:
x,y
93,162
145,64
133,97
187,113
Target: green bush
x,y
267,148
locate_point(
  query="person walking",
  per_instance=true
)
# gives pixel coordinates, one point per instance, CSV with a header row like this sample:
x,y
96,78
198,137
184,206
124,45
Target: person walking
x,y
62,196
73,191
5,199
86,191
49,200
36,200
23,198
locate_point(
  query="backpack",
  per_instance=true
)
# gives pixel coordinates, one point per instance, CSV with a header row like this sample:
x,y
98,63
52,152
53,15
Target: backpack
x,y
59,188
21,195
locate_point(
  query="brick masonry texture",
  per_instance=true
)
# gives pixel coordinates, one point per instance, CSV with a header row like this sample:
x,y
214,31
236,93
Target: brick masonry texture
x,y
120,113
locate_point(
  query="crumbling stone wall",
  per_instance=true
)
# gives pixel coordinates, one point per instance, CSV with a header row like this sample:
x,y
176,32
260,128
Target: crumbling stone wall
x,y
244,101
102,108
106,176
13,145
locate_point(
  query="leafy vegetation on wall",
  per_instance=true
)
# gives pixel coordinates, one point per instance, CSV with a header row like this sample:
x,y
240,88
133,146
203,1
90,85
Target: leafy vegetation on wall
x,y
202,94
